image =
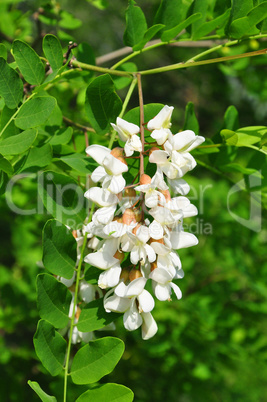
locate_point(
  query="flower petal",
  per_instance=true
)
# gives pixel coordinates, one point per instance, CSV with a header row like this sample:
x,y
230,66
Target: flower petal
x,y
102,197
149,326
132,319
98,152
110,277
146,302
177,290
162,119
116,304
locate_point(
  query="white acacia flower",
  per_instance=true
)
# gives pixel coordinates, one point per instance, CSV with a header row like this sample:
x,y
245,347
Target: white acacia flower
x,y
110,171
160,125
180,239
125,299
176,160
168,259
152,196
127,132
163,285
138,247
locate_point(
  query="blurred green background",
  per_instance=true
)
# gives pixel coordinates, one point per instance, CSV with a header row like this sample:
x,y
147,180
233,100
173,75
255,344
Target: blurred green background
x,y
212,344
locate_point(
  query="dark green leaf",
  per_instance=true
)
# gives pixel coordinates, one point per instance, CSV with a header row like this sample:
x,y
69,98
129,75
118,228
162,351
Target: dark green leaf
x,y
29,63
93,316
170,13
231,120
3,182
59,249
50,347
35,112
11,86
39,156
149,34
3,51
5,165
62,136
95,360
63,198
210,26
136,25
173,32
102,104
85,53
17,144
191,122
53,300
199,6
53,51
107,393
42,395
246,26
79,162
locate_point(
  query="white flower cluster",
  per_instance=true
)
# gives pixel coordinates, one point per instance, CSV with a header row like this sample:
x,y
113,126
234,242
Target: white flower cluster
x,y
131,247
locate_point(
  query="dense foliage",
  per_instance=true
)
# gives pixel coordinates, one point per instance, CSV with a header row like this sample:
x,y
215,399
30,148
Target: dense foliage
x,y
58,94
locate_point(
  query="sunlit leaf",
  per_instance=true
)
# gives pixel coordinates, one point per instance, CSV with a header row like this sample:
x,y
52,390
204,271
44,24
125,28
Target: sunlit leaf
x,y
35,112
107,393
17,144
42,395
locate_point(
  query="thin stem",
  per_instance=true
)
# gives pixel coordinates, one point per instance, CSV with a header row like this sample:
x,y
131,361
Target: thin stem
x,y
77,125
142,135
124,106
91,67
15,114
73,317
72,324
210,146
180,65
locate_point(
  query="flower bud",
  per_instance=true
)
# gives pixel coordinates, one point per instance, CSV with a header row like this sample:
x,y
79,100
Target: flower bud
x,y
121,158
117,219
119,255
145,179
161,241
135,229
116,152
74,233
78,312
124,276
129,192
134,274
166,194
153,266
138,215
128,216
153,149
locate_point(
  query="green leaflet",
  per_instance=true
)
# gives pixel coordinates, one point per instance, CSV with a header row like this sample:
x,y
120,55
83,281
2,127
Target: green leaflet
x,y
246,26
11,86
53,51
35,112
173,32
102,104
50,347
59,249
136,25
190,121
93,316
107,392
42,395
17,144
29,63
96,359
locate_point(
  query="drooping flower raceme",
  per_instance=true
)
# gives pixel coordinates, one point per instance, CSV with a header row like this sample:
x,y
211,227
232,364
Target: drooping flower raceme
x,y
137,227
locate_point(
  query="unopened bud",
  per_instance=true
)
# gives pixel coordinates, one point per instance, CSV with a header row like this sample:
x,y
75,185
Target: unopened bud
x,y
145,179
161,241
124,276
138,215
117,219
136,228
153,149
153,266
130,192
128,216
119,255
78,312
116,152
74,233
134,274
167,195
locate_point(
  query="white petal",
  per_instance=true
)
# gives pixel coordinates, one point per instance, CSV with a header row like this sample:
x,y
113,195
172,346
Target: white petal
x,y
183,140
98,152
180,186
136,287
159,248
98,174
159,157
162,292
116,304
135,255
117,184
175,259
196,143
104,215
161,276
110,277
183,239
160,135
132,319
102,197
162,119
86,291
151,255
151,198
115,229
142,234
149,326
146,302
113,165
136,143
177,290
100,260
156,230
